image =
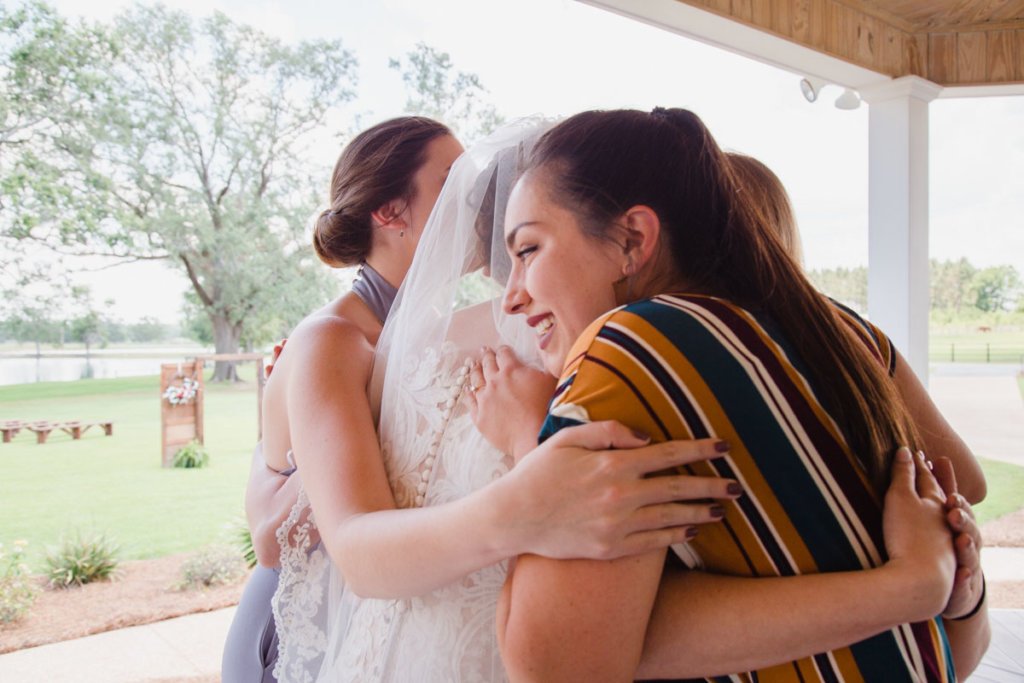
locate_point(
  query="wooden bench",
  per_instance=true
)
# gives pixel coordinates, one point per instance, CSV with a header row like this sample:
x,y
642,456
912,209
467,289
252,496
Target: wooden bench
x,y
10,428
43,428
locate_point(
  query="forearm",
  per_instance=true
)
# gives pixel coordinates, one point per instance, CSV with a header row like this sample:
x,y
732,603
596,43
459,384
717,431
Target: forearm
x,y
403,553
968,640
267,509
577,620
699,617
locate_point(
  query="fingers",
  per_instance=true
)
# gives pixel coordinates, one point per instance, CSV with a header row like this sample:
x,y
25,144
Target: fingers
x,y
488,361
927,486
645,541
596,436
944,474
967,552
683,487
670,454
903,474
476,379
669,515
506,357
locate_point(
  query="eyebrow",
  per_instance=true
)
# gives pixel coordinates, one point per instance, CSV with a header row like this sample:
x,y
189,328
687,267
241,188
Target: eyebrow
x,y
511,237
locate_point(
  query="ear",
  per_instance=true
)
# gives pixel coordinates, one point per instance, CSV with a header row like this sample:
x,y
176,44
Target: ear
x,y
643,230
390,215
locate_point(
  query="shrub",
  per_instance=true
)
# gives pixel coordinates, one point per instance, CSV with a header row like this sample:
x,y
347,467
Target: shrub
x,y
212,566
241,538
192,455
81,560
17,593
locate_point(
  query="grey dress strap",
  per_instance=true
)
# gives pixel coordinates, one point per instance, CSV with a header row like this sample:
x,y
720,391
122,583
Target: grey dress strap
x,y
376,292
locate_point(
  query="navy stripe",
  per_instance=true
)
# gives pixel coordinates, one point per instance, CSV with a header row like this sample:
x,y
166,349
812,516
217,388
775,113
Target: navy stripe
x,y
655,365
779,464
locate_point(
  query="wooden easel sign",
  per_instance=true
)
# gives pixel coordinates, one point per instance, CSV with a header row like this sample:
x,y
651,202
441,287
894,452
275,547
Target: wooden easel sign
x,y
181,407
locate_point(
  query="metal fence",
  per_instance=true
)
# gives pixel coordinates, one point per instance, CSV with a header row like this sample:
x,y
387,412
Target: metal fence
x,y
976,353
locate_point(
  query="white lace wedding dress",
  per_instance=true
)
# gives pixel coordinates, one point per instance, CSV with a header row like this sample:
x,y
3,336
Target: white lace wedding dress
x,y
447,635
432,452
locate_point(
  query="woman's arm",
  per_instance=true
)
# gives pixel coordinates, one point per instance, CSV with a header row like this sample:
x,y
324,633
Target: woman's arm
x,y
577,620
699,617
269,497
569,498
938,435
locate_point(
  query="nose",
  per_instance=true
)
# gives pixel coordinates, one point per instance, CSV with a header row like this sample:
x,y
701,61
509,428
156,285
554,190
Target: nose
x,y
516,298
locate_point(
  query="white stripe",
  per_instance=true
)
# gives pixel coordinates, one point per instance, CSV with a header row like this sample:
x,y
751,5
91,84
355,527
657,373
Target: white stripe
x,y
705,422
776,402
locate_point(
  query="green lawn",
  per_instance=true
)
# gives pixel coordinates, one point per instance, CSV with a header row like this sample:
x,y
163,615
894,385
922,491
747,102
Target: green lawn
x,y
115,484
1005,490
998,346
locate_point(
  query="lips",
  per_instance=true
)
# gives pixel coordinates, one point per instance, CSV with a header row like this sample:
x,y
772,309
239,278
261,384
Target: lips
x,y
544,326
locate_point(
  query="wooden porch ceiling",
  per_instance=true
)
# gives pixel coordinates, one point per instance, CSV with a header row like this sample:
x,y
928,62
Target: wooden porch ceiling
x,y
948,42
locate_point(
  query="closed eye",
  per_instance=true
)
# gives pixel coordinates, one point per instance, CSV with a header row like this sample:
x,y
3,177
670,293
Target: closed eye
x,y
525,251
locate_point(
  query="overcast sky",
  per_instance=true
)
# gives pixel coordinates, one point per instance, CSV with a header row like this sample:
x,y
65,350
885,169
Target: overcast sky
x,y
557,57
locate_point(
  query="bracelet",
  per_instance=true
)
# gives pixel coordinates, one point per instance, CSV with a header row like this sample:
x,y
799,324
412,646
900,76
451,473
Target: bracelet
x,y
977,607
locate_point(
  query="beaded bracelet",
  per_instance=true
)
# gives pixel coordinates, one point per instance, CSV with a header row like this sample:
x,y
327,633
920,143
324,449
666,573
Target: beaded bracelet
x,y
977,607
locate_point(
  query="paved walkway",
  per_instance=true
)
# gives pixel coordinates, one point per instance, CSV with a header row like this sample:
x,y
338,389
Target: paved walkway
x,y
986,410
183,649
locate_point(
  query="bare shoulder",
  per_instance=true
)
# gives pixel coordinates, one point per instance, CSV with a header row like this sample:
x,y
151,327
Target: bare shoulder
x,y
330,340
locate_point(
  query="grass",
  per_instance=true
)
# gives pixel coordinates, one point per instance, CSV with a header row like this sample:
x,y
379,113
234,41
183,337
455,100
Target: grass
x,y
997,346
115,484
1005,490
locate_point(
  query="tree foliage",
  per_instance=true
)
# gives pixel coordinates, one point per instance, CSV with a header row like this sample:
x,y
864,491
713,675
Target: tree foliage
x,y
192,147
436,89
956,286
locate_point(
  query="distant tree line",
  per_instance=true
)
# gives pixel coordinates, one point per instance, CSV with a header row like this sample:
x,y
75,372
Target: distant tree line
x,y
957,287
91,328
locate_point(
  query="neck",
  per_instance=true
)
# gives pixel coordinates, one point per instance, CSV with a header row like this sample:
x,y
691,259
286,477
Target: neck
x,y
391,271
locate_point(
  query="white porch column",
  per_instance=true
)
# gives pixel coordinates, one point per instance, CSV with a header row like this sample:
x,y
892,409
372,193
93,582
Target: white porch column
x,y
898,297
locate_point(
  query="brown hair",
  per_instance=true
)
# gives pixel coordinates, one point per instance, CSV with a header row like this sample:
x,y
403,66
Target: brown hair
x,y
764,192
375,168
601,163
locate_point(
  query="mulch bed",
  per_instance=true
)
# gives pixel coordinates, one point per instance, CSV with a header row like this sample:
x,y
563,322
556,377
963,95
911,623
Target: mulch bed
x,y
147,591
144,592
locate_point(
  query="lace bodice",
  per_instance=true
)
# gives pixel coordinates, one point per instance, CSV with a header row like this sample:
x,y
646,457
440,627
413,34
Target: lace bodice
x,y
433,454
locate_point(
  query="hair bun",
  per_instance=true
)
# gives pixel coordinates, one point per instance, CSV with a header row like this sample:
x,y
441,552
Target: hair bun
x,y
336,242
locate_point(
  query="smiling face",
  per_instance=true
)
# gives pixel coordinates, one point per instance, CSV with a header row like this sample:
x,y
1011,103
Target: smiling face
x,y
562,278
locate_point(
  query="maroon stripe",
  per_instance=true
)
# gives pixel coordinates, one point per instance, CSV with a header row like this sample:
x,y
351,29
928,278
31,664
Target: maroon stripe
x,y
831,451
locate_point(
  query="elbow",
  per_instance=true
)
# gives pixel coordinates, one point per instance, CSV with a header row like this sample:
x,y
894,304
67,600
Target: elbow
x,y
976,491
264,544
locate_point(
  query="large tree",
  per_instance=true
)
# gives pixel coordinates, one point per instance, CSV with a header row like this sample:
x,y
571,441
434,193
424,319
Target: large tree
x,y
193,147
435,88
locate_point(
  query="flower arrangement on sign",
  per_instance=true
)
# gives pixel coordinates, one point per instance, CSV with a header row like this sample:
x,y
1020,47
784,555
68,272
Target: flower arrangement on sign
x,y
182,394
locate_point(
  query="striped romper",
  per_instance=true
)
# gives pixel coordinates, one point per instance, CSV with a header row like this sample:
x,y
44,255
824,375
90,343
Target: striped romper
x,y
690,366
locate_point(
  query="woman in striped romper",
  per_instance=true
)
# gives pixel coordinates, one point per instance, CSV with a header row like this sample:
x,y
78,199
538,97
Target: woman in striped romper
x,y
722,336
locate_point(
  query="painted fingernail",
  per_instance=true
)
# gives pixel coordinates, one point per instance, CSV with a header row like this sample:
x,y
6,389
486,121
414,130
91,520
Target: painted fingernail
x,y
691,532
722,446
717,511
734,489
903,454
643,436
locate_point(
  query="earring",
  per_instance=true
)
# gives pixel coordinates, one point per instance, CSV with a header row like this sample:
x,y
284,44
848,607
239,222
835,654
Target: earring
x,y
401,233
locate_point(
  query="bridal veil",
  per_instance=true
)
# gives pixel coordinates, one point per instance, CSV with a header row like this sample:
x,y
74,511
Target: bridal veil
x,y
448,307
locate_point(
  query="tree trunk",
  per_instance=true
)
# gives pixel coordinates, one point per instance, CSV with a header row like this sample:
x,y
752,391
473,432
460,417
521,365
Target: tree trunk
x,y
226,338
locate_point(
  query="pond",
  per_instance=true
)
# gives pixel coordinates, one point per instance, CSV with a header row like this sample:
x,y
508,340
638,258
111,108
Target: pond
x,y
23,369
